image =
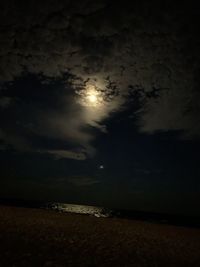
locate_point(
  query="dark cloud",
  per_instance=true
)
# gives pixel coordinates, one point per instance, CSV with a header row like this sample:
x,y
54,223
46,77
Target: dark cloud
x,y
82,181
5,102
43,119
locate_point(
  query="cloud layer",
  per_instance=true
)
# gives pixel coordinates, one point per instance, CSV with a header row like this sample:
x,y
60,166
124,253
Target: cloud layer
x,y
118,47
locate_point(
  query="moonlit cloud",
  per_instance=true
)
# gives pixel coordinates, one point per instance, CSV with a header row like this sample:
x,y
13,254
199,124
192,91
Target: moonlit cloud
x,y
62,154
105,58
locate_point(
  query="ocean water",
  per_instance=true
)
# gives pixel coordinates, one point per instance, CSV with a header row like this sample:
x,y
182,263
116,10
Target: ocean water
x,y
155,217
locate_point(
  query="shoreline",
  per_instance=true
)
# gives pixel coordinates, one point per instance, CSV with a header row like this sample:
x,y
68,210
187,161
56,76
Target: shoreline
x,y
37,237
100,211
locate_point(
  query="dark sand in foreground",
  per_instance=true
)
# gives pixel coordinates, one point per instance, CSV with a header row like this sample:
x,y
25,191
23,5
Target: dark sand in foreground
x,y
31,237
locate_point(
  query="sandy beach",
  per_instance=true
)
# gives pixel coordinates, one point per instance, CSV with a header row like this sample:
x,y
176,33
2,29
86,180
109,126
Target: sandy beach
x,y
36,237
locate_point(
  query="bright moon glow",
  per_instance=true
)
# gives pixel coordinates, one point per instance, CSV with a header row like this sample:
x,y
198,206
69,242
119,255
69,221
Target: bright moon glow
x,y
92,98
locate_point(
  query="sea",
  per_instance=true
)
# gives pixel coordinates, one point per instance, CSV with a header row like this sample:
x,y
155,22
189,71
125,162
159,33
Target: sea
x,y
104,212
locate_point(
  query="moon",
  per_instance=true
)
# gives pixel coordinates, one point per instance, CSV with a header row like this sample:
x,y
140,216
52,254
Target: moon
x,y
92,98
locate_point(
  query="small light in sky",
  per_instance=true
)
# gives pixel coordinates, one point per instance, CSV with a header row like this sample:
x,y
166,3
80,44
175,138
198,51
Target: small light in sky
x,y
101,167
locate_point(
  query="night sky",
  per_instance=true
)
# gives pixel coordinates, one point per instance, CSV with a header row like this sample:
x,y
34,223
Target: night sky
x,y
100,103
